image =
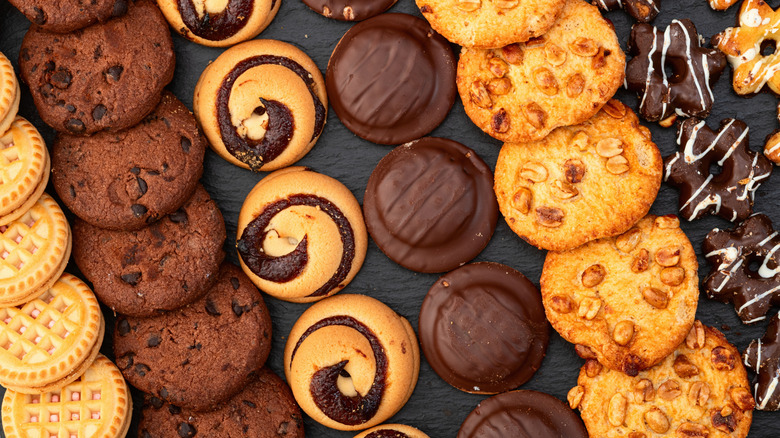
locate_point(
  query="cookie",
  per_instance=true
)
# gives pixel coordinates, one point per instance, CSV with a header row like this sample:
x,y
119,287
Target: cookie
x,y
721,5
522,413
581,182
35,249
98,404
301,235
265,408
24,169
523,91
106,77
644,11
763,357
169,264
286,122
772,145
48,342
351,361
9,94
490,24
428,205
391,79
129,179
672,72
700,390
349,10
392,431
731,253
482,328
728,193
612,296
219,341
219,24
69,15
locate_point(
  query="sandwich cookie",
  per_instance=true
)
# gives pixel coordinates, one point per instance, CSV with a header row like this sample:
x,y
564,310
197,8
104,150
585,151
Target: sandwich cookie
x,y
9,94
24,169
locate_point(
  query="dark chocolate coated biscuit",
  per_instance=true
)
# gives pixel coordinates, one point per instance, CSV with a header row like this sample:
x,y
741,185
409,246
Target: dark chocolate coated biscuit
x,y
483,328
763,356
349,10
391,79
162,267
522,413
642,10
429,205
264,409
107,76
69,15
201,354
128,179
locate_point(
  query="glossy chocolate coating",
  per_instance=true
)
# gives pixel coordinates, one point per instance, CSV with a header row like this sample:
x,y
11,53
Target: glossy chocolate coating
x,y
483,328
387,433
731,279
349,10
324,389
391,79
429,205
289,266
522,414
644,11
216,27
763,356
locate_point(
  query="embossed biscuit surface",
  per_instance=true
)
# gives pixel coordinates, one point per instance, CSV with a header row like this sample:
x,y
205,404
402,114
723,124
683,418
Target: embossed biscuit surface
x,y
9,94
24,169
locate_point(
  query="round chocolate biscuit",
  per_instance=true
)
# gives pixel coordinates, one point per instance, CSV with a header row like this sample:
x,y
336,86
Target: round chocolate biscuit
x,y
69,15
201,354
264,409
128,179
349,10
482,328
429,205
162,267
524,414
391,79
105,77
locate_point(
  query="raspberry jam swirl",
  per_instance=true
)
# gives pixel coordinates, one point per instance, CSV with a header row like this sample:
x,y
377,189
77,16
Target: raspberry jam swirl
x,y
219,26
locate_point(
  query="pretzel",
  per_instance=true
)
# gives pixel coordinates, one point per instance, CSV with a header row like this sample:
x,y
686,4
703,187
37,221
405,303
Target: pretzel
x,y
642,10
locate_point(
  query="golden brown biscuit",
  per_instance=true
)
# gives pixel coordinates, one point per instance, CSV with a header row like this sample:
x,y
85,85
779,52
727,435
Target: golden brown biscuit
x,y
612,297
581,182
392,431
523,91
24,169
721,5
489,24
351,362
9,94
700,390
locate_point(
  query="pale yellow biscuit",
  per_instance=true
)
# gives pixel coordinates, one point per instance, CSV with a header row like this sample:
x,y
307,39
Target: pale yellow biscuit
x,y
9,94
700,390
612,297
24,169
581,182
389,429
523,91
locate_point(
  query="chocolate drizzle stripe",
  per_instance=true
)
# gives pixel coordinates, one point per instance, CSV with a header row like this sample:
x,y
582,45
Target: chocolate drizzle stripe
x,y
289,266
323,386
220,26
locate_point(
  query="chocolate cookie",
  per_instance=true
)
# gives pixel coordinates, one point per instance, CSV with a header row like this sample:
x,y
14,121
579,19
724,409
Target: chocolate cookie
x,y
68,15
349,10
429,205
763,357
522,413
201,354
108,76
162,267
482,328
128,179
391,79
264,409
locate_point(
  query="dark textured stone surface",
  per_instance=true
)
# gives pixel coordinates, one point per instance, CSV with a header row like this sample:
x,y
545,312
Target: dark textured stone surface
x,y
436,407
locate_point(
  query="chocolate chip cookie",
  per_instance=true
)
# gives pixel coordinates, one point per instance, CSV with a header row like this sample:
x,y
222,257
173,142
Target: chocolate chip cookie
x,y
69,15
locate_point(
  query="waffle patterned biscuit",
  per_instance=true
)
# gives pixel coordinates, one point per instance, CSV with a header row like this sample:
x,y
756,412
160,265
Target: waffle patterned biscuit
x,y
581,182
48,342
763,357
488,24
523,91
721,5
612,296
34,250
219,24
9,94
700,390
642,10
24,169
392,431
96,405
351,362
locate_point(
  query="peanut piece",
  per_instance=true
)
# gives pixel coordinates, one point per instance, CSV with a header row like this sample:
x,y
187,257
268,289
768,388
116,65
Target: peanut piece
x,y
589,308
469,5
534,171
723,359
574,169
554,54
575,85
656,420
623,332
669,390
599,60
668,256
672,276
500,121
644,391
692,430
514,53
479,95
742,398
699,393
695,339
550,217
609,147
684,368
497,67
656,298
668,221
563,190
562,304
641,261
616,412
617,165
584,47
627,241
545,80
615,108
499,86
593,275
592,368
575,396
521,201
535,115
580,140
505,4
584,352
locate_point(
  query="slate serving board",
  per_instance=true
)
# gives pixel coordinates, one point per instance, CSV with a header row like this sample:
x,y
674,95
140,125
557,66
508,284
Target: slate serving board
x,y
435,407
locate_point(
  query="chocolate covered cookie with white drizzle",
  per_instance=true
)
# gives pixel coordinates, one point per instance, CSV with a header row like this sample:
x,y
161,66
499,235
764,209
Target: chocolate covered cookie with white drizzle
x,y
642,10
763,356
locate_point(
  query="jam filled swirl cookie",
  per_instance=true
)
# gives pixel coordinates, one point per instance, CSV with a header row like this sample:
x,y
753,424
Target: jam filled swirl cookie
x,y
301,235
262,104
392,431
351,361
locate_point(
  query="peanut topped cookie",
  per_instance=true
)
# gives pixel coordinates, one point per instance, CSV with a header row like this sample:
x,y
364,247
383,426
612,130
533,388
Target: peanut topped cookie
x,y
581,182
613,296
700,390
523,91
